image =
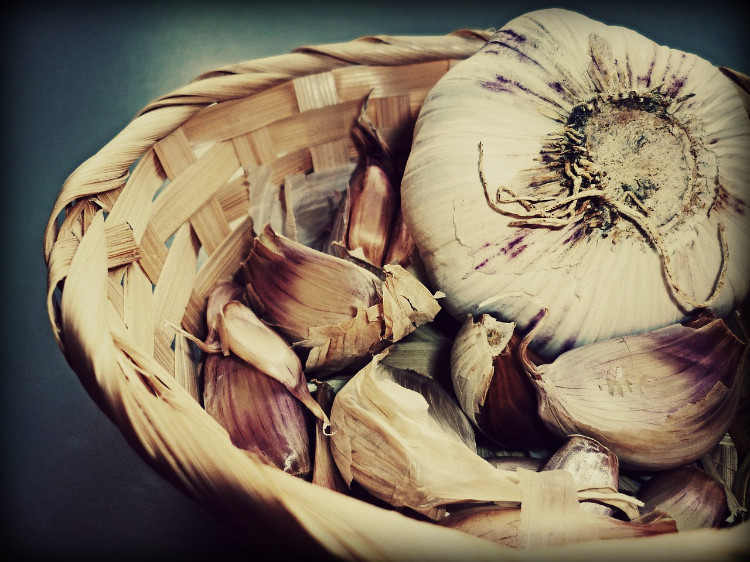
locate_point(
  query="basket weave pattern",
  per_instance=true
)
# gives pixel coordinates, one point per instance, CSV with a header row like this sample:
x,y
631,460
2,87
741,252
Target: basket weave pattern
x,y
143,230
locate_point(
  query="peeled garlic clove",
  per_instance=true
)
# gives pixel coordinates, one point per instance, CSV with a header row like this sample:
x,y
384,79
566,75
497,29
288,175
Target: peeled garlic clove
x,y
688,495
491,385
658,399
591,464
412,448
503,526
340,312
243,334
258,412
613,183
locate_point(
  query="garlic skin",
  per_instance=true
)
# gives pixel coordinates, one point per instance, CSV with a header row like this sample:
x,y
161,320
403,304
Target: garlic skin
x,y
405,440
688,495
259,413
339,312
658,400
582,202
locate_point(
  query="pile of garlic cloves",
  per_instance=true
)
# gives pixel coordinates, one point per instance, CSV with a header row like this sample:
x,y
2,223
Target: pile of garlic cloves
x,y
330,356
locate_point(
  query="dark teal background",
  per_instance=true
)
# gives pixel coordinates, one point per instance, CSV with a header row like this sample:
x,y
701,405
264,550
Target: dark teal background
x,y
73,76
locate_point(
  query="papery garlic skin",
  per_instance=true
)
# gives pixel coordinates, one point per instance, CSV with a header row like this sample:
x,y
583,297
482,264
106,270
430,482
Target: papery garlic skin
x,y
564,105
259,413
658,400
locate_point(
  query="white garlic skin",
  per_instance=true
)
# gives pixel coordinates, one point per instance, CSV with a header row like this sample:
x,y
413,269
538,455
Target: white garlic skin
x,y
518,91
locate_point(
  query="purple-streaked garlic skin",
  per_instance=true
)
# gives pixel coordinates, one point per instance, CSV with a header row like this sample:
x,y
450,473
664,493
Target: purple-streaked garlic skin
x,y
296,288
591,464
609,168
688,495
658,399
259,413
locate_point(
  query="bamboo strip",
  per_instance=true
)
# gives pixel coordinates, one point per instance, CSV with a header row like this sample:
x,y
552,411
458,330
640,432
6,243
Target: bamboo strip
x,y
138,303
222,265
172,293
153,255
176,155
354,83
122,248
246,153
186,371
237,117
134,204
233,198
115,290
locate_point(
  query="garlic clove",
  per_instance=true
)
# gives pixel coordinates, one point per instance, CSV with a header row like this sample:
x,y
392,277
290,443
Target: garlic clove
x,y
658,399
491,385
259,413
613,188
688,495
294,287
243,334
338,311
221,294
591,464
372,206
369,224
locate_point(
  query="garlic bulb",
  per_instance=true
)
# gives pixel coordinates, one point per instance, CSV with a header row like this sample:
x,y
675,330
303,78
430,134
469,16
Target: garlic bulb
x,y
658,399
583,168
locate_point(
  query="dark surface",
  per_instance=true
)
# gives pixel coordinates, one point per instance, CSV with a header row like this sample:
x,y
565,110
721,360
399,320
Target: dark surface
x,y
73,76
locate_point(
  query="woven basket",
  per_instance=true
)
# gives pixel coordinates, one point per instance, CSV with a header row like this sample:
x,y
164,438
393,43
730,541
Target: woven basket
x,y
143,230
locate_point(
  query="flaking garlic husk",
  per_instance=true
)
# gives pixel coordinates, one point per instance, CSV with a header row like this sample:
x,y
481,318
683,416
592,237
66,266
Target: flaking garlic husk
x,y
404,439
369,225
492,387
658,399
259,413
688,495
591,464
336,311
503,526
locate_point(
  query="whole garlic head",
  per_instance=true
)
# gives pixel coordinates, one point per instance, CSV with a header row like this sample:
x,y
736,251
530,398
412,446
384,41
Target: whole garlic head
x,y
583,168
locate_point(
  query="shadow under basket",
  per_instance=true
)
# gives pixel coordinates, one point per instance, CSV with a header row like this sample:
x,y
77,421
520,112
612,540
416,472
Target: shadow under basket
x,y
143,230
